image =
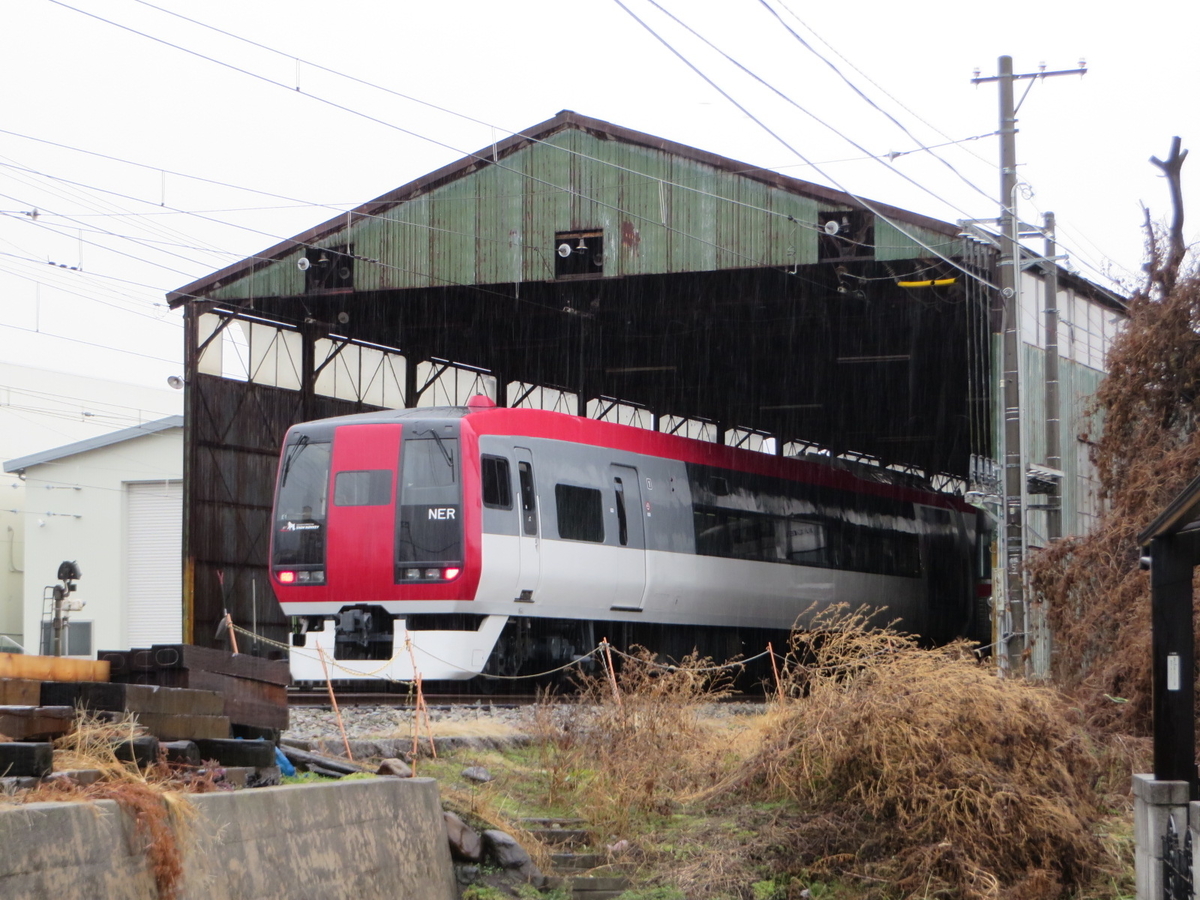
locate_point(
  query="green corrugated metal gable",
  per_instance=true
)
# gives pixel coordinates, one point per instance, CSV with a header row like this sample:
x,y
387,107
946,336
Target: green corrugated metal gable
x,y
662,209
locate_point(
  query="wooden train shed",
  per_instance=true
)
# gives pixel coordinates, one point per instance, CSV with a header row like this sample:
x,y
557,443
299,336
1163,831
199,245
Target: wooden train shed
x,y
584,267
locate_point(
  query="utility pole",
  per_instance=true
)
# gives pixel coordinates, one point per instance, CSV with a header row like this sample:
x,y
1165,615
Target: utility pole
x,y
1013,644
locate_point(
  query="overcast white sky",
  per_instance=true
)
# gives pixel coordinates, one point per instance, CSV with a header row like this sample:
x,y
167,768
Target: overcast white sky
x,y
146,110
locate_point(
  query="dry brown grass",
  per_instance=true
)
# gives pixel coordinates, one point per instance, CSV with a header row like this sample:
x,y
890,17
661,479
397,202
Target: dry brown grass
x,y
899,771
633,744
924,770
152,796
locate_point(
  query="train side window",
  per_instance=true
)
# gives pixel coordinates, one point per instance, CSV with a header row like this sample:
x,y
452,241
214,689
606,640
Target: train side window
x,y
372,487
497,485
580,513
738,535
806,542
753,537
622,521
528,499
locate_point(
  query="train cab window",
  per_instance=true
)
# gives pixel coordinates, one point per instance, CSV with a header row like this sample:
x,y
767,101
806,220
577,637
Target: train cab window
x,y
580,513
372,487
429,464
528,498
622,521
497,486
300,504
429,526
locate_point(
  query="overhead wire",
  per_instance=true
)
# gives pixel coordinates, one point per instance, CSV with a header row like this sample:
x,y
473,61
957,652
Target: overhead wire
x,y
866,204
423,137
110,408
61,337
452,112
482,156
156,317
472,119
555,187
891,154
857,90
278,239
55,229
477,155
949,141
792,102
60,188
1097,269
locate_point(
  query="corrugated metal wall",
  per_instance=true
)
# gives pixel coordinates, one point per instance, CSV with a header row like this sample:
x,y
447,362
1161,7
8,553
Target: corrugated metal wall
x,y
1077,384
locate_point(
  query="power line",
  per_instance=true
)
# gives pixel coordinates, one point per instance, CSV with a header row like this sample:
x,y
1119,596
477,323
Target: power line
x,y
865,203
61,337
808,112
892,97
479,156
872,103
91,298
91,201
450,112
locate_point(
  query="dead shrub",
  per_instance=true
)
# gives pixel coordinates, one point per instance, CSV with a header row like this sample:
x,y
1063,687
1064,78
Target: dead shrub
x,y
1145,444
928,771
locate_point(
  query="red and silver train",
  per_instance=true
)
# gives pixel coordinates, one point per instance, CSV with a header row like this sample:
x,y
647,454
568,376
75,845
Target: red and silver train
x,y
461,540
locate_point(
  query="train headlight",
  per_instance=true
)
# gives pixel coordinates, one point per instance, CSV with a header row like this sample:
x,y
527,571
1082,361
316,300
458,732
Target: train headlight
x,y
303,577
412,574
318,577
450,574
433,573
286,577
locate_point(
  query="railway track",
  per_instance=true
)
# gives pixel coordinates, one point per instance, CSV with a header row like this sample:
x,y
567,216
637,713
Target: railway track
x,y
306,698
309,698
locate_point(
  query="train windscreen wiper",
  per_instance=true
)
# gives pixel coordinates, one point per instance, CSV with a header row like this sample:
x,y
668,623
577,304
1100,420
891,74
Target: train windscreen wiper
x,y
292,453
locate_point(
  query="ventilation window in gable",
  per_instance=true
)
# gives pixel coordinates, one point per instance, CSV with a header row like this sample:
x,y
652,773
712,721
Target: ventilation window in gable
x,y
845,234
578,253
328,269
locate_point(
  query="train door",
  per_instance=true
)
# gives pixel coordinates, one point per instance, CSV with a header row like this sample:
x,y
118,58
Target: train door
x,y
629,575
530,573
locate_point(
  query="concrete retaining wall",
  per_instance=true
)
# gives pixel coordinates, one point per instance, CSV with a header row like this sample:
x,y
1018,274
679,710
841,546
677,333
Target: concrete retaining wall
x,y
360,840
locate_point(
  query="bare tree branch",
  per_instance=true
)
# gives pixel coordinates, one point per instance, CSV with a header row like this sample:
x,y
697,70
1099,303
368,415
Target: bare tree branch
x,y
1171,168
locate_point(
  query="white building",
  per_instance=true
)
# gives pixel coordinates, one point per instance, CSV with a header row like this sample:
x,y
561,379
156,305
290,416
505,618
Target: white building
x,y
113,504
42,409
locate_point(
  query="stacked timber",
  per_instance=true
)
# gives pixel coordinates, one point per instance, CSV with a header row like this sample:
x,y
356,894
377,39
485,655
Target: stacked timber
x,y
51,668
24,716
170,714
252,690
192,700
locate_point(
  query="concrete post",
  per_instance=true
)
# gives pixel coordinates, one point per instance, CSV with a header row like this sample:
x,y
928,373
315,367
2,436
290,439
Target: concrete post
x,y
1154,803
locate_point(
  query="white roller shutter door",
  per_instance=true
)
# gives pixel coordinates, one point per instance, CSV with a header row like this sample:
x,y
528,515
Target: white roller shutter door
x,y
153,563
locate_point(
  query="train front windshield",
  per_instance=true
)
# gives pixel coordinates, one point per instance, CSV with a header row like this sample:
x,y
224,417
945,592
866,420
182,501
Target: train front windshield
x,y
429,517
300,511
